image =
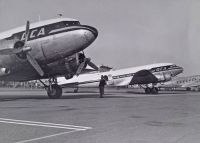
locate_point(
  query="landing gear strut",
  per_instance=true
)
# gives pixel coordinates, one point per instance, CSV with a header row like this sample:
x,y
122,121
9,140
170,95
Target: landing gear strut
x,y
54,91
76,90
153,90
147,90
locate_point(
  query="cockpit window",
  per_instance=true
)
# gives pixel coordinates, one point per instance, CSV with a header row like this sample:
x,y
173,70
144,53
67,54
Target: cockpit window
x,y
70,23
59,25
172,66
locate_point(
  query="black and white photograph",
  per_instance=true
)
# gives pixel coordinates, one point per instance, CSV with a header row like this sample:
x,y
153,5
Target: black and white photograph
x,y
99,71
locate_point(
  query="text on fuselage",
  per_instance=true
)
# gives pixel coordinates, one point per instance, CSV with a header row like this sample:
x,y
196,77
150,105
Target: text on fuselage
x,y
35,33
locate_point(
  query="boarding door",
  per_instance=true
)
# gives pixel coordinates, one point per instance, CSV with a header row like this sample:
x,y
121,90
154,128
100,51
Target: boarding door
x,y
110,80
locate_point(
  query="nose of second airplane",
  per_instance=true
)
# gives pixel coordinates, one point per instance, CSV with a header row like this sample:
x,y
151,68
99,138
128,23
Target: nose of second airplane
x,y
180,69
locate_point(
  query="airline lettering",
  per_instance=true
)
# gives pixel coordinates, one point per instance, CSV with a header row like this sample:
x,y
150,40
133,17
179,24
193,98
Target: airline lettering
x,y
35,33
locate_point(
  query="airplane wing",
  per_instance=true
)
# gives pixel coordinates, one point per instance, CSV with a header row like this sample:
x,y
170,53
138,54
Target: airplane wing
x,y
193,84
83,80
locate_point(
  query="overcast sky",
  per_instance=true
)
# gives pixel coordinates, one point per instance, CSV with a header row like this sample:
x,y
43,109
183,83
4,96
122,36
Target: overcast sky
x,y
131,32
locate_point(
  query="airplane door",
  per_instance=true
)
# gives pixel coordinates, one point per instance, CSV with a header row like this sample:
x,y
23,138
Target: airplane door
x,y
110,80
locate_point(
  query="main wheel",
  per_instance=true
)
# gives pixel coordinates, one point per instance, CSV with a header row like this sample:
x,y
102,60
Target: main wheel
x,y
54,92
188,89
76,90
147,90
154,90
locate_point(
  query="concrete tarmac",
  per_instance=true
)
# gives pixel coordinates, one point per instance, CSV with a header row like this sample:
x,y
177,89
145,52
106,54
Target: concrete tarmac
x,y
123,116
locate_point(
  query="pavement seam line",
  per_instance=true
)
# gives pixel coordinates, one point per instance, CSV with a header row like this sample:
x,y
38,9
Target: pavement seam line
x,y
43,124
45,137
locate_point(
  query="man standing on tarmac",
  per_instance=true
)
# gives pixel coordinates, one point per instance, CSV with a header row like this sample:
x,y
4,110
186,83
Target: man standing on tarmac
x,y
102,83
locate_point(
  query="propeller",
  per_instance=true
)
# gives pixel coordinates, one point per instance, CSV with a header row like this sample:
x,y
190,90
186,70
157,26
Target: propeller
x,y
31,60
21,47
83,63
91,64
27,31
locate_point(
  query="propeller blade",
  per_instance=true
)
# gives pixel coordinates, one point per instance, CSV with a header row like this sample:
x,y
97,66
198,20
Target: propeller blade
x,y
77,59
91,64
35,64
81,67
27,31
9,51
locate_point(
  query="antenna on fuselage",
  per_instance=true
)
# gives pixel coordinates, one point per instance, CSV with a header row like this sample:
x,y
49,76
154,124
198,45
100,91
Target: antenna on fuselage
x,y
39,18
60,14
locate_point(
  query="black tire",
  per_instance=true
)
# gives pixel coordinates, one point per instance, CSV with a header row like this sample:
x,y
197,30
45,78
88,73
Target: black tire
x,y
147,90
76,90
188,89
55,92
154,90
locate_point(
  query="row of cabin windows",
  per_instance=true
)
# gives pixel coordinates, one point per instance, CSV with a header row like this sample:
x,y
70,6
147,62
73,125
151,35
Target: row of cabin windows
x,y
163,68
183,81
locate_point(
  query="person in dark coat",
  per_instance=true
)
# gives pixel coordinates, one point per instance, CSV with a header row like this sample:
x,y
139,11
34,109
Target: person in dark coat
x,y
102,84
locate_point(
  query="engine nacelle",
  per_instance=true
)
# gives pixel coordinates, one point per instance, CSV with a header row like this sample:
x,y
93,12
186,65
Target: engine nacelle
x,y
68,76
10,44
4,71
162,77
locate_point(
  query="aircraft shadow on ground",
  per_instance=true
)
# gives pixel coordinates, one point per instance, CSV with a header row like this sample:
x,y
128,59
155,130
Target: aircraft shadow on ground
x,y
68,95
18,97
135,92
83,95
4,98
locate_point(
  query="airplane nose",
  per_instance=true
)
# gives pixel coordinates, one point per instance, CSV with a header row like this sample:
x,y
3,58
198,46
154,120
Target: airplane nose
x,y
92,32
180,69
74,39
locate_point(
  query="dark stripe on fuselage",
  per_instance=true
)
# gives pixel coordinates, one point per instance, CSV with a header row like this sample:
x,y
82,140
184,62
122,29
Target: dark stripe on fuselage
x,y
45,31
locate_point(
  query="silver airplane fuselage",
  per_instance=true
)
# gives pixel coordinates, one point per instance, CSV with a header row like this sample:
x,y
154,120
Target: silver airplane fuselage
x,y
51,41
124,77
